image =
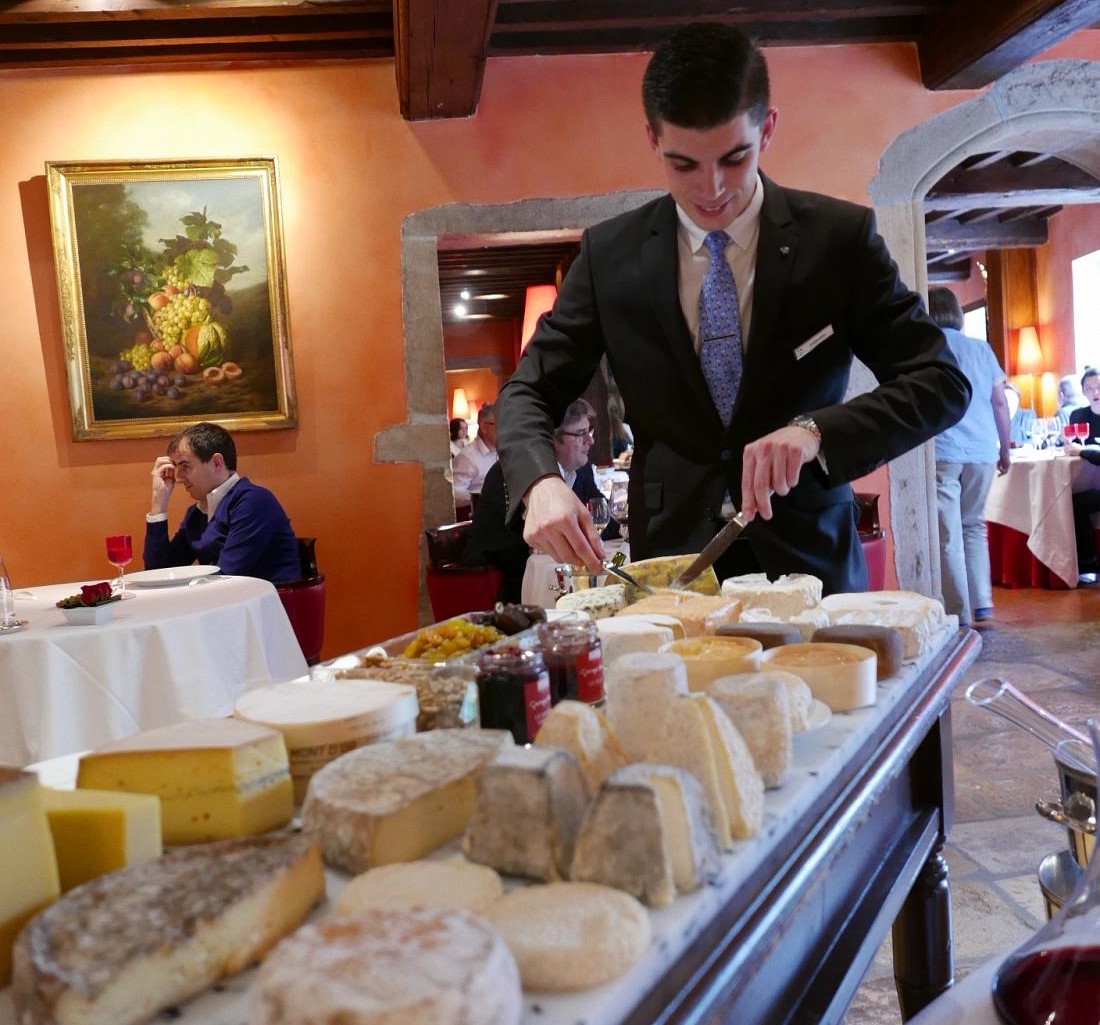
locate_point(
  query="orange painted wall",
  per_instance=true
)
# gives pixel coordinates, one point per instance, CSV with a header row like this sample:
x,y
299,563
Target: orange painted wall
x,y
351,169
1074,232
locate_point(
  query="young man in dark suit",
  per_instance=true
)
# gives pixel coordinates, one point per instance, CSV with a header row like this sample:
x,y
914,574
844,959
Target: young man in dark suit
x,y
732,351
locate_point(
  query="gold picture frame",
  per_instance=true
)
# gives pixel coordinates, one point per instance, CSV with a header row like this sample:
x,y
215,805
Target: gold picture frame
x,y
172,285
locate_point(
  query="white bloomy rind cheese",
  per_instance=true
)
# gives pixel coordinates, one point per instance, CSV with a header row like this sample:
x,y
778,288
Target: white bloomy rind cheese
x,y
914,616
623,635
844,676
320,721
416,967
759,706
530,804
215,778
569,936
101,831
126,945
784,597
28,874
650,833
447,885
583,730
400,799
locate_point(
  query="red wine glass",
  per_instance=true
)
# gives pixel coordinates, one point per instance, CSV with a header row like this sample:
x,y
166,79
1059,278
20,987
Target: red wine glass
x,y
120,551
1082,431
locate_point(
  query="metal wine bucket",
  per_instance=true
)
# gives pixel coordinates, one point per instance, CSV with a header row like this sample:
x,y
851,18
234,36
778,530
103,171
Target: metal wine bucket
x,y
576,578
1077,808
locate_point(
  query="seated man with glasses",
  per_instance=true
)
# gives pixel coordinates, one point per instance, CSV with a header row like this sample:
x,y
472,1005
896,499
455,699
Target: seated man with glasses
x,y
492,542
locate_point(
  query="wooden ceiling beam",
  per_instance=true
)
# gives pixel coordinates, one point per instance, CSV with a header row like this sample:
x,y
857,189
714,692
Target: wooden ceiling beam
x,y
440,46
1021,233
971,43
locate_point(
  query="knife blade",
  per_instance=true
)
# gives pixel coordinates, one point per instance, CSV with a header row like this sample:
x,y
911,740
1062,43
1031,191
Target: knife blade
x,y
714,548
622,574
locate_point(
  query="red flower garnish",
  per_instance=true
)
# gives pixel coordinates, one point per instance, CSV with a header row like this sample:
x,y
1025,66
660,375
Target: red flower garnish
x,y
94,594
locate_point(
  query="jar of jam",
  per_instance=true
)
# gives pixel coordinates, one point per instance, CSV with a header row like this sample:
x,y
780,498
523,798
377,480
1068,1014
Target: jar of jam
x,y
513,691
574,660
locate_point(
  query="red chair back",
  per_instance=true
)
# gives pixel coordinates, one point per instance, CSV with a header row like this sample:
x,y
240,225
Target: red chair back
x,y
304,601
457,589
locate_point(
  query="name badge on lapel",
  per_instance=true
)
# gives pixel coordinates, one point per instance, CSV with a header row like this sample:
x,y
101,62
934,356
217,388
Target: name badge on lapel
x,y
814,341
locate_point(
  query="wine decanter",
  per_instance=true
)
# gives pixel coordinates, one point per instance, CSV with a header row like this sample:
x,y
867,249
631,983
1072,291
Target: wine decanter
x,y
1055,976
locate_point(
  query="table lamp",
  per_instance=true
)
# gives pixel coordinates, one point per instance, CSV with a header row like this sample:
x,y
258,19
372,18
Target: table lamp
x,y
1029,357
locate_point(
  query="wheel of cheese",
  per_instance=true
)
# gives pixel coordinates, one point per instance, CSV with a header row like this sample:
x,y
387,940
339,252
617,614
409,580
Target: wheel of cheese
x,y
770,635
416,967
624,635
447,885
844,676
785,597
884,641
707,658
569,936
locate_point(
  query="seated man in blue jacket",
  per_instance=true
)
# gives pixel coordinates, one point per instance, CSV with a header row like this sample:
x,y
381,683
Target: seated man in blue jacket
x,y
234,524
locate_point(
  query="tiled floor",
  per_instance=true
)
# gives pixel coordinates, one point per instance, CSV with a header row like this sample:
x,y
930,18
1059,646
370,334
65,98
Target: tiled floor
x,y
1048,644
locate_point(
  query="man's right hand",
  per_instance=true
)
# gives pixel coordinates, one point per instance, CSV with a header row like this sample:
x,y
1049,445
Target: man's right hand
x,y
164,481
558,524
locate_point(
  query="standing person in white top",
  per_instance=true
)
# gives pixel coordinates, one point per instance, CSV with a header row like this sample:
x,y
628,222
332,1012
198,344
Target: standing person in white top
x,y
470,465
966,456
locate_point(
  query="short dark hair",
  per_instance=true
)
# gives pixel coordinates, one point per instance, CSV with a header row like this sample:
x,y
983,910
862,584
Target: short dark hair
x,y
204,439
455,424
1089,372
944,308
578,409
704,75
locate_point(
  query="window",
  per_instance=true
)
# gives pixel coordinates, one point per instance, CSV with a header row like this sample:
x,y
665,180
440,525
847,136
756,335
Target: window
x,y
1086,310
974,322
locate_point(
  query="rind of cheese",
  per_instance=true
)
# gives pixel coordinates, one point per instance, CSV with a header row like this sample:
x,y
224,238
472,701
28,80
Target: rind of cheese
x,y
799,696
448,885
844,676
321,721
100,831
657,619
163,930
913,615
661,570
530,805
569,936
698,613
761,711
884,641
770,635
400,799
784,597
583,730
638,687
598,602
29,879
650,833
215,778
623,635
707,658
389,967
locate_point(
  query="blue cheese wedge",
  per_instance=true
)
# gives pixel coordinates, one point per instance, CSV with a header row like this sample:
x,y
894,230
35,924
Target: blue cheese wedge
x,y
598,602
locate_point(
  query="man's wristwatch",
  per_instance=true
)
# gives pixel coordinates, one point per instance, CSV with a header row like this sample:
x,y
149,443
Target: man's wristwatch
x,y
808,423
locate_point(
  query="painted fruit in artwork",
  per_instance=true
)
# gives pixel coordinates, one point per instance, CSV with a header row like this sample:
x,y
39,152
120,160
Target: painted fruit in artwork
x,y
186,364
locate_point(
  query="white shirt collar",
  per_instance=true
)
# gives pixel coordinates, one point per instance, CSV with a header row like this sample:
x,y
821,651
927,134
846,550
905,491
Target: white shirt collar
x,y
213,500
569,476
743,229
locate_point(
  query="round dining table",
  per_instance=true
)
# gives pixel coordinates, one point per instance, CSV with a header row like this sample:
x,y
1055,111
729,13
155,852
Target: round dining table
x,y
185,649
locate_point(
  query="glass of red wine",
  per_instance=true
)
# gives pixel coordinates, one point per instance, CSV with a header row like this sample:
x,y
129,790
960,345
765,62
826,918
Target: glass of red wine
x,y
120,551
1082,431
1055,976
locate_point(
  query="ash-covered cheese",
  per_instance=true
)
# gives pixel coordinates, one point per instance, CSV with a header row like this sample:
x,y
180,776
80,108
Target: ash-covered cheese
x,y
583,730
649,832
914,616
598,602
530,804
399,799
122,947
844,676
784,597
759,706
415,967
770,635
884,641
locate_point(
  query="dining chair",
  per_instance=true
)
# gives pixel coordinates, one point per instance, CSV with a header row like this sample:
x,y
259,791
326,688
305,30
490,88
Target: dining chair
x,y
304,601
453,588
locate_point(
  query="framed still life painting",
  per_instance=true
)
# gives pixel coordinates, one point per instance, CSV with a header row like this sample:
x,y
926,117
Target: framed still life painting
x,y
173,295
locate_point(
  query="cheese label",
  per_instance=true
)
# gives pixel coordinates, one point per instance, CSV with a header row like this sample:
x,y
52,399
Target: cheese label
x,y
536,702
590,676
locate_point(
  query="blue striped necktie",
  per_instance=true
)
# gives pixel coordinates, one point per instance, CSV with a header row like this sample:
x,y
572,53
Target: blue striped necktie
x,y
720,352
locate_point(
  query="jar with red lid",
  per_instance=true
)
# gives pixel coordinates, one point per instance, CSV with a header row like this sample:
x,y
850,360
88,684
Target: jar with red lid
x,y
574,660
513,691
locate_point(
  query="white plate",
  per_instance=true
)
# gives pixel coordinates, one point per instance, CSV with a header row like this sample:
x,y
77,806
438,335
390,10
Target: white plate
x,y
170,576
819,715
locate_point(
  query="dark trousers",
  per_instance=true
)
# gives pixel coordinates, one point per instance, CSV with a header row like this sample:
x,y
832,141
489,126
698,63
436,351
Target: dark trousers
x,y
1085,503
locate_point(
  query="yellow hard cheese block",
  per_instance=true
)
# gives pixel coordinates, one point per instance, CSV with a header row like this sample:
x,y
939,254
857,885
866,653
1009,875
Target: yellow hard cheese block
x,y
100,831
216,778
661,570
28,878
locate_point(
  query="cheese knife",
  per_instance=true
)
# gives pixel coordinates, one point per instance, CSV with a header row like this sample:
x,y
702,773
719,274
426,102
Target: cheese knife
x,y
622,574
710,553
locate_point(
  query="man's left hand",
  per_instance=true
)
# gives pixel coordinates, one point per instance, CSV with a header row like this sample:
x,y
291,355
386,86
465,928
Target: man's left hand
x,y
772,465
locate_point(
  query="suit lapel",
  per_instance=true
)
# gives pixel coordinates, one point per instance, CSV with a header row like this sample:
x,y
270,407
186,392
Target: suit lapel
x,y
776,251
661,279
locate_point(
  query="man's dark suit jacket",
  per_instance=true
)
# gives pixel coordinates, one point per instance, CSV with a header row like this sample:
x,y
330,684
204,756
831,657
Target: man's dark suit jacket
x,y
822,272
496,542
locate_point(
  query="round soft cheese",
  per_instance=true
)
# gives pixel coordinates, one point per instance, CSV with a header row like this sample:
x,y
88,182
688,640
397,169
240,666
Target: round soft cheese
x,y
416,967
707,658
320,721
884,641
623,635
843,676
449,884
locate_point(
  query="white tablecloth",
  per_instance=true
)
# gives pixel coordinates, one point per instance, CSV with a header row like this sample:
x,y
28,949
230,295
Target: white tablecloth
x,y
1035,498
168,654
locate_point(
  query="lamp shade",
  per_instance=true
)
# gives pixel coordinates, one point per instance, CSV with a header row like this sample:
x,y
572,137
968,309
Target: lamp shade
x,y
1029,356
540,299
460,406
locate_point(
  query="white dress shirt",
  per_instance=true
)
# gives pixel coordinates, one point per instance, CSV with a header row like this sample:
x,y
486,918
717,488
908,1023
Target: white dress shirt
x,y
469,468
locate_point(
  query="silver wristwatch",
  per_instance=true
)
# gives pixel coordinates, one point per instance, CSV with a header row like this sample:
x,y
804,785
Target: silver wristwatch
x,y
809,423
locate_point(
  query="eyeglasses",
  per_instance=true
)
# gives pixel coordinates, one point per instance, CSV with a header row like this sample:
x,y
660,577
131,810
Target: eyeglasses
x,y
589,434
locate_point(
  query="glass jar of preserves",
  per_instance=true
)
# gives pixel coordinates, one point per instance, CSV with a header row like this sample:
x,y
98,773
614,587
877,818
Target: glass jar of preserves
x,y
574,659
513,691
